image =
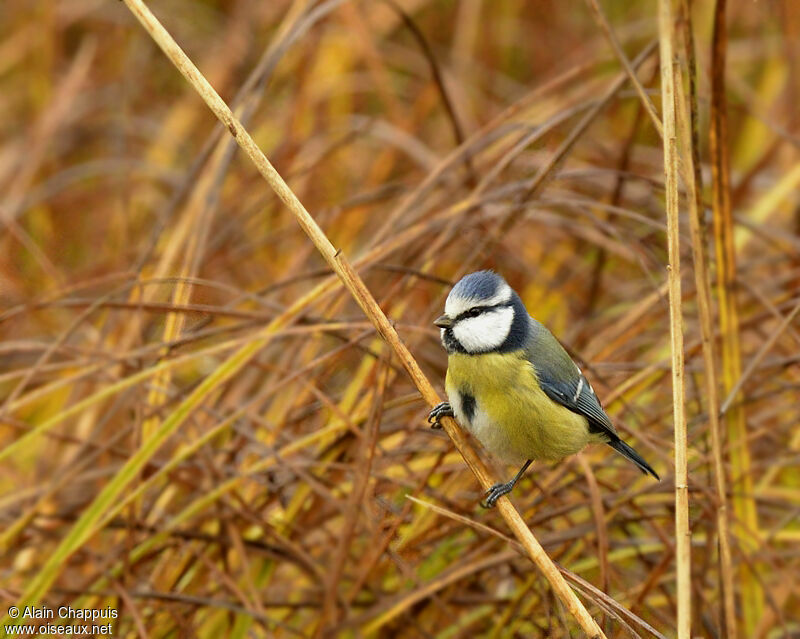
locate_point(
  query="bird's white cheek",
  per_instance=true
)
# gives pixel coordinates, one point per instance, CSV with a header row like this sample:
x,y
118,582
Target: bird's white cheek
x,y
484,332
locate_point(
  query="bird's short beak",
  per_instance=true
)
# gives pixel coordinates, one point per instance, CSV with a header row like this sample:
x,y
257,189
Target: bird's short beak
x,y
443,322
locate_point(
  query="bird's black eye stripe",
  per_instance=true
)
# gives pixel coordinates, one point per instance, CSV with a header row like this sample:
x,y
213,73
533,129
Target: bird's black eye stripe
x,y
478,310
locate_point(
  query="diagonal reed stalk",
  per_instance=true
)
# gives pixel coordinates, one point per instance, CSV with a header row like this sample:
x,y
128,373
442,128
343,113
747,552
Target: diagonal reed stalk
x,y
682,534
365,300
608,32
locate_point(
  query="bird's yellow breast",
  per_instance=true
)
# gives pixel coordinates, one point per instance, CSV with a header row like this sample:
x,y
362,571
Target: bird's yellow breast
x,y
511,415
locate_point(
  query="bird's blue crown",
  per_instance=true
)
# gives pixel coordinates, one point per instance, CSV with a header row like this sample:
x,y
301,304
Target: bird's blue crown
x,y
481,285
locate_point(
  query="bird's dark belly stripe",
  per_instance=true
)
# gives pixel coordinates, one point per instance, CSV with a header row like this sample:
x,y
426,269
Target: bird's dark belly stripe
x,y
595,429
467,405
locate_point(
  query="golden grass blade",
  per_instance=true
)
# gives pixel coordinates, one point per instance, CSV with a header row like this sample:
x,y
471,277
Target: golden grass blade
x,y
361,294
242,522
752,596
598,596
404,602
756,359
368,445
85,526
25,440
682,534
111,495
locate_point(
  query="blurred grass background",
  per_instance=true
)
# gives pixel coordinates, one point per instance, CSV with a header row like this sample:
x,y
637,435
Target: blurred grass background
x,y
139,250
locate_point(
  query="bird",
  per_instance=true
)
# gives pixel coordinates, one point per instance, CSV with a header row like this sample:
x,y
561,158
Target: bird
x,y
513,386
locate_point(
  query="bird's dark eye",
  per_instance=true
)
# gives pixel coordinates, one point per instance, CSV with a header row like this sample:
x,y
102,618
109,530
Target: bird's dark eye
x,y
473,312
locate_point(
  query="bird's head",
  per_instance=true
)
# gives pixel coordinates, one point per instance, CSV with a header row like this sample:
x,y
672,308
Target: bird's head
x,y
483,314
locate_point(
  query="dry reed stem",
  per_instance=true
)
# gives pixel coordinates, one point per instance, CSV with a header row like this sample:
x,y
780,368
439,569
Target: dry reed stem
x,y
131,153
752,595
602,22
597,595
690,143
682,533
786,322
362,296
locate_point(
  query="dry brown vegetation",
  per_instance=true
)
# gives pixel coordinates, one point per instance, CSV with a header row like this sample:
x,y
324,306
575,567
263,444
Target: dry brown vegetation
x,y
201,429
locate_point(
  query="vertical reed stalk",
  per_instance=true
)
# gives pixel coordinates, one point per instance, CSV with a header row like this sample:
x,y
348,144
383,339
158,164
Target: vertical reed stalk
x,y
682,534
690,143
752,596
365,300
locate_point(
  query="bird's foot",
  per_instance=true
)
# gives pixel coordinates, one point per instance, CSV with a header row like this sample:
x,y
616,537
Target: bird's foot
x,y
442,410
496,492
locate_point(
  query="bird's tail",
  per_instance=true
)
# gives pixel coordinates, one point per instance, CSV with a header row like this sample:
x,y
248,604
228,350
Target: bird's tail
x,y
623,448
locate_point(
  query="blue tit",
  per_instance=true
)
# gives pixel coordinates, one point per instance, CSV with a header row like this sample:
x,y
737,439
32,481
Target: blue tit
x,y
513,386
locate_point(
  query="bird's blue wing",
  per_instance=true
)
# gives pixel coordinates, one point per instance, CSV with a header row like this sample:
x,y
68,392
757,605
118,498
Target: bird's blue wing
x,y
563,382
579,397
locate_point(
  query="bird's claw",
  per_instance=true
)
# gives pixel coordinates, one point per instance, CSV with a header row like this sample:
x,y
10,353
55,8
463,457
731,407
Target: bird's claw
x,y
442,410
495,493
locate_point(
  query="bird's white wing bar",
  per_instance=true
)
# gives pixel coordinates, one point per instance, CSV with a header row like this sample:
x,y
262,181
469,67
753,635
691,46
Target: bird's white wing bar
x,y
578,395
578,391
